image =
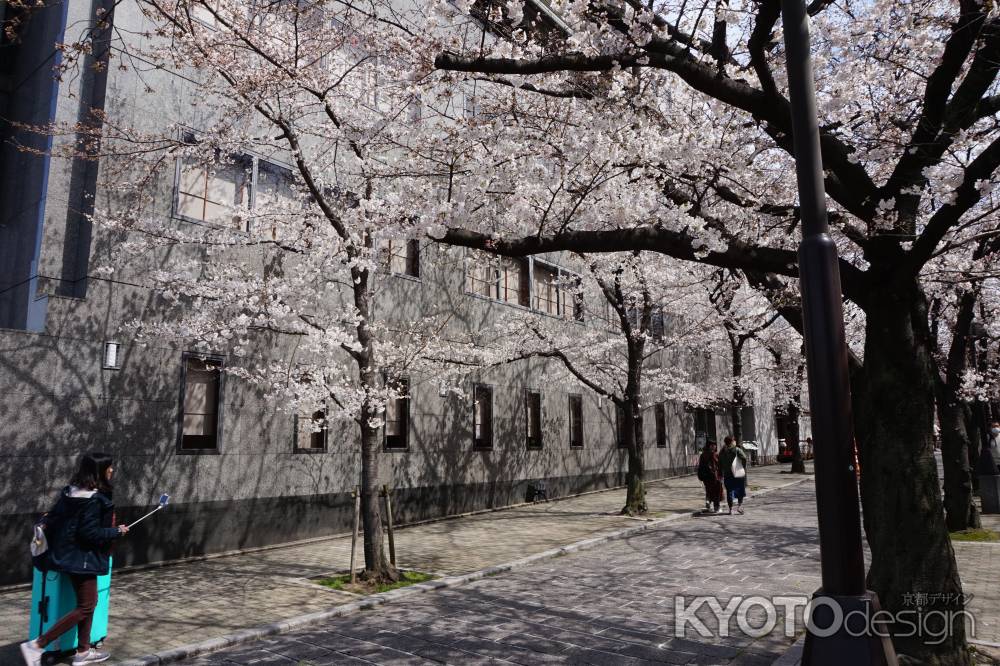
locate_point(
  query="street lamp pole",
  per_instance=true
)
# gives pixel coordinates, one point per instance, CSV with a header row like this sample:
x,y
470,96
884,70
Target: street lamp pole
x,y
841,555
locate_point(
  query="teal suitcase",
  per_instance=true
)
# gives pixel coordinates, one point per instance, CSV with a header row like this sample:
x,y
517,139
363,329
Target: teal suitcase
x,y
52,597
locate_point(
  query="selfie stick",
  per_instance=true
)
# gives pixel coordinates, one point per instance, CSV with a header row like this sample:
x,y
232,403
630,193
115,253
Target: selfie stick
x,y
163,502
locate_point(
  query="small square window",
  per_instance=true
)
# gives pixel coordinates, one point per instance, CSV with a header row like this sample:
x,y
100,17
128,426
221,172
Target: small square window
x,y
311,432
404,257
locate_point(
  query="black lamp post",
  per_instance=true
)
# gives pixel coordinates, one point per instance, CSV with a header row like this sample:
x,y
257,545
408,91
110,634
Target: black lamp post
x,y
841,555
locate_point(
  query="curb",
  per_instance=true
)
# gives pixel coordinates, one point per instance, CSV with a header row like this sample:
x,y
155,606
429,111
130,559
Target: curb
x,y
373,601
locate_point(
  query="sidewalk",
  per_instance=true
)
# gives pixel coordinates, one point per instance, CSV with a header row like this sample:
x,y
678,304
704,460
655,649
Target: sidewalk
x,y
157,609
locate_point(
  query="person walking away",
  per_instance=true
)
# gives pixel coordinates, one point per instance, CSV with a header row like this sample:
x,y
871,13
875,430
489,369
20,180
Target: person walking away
x,y
710,474
80,530
733,461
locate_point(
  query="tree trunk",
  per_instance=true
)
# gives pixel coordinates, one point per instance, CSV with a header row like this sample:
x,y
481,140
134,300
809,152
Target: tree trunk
x,y
736,412
635,439
791,435
635,477
959,503
378,569
903,512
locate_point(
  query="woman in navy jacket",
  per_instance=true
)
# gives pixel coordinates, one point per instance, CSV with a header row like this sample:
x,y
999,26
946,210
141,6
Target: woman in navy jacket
x,y
80,529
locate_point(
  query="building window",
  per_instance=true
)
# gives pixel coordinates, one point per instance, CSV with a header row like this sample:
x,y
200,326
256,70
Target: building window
x,y
311,432
546,288
660,417
482,417
217,192
404,256
657,324
481,275
513,281
201,401
533,417
214,192
576,422
509,280
704,427
397,418
274,194
620,437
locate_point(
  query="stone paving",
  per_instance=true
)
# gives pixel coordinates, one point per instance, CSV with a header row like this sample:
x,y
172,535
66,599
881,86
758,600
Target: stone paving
x,y
613,604
157,609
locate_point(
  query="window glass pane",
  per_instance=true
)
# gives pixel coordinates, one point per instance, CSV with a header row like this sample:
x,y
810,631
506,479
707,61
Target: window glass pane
x,y
404,256
482,410
481,275
514,280
274,186
546,290
661,426
575,420
200,418
209,194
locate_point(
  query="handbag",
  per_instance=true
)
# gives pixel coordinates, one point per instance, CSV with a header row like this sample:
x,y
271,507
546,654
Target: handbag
x,y
39,548
739,471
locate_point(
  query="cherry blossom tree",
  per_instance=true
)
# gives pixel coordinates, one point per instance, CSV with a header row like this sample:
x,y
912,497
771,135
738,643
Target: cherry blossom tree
x,y
647,336
909,176
296,201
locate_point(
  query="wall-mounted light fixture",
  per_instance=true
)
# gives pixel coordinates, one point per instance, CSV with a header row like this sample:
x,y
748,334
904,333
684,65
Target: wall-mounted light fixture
x,y
112,358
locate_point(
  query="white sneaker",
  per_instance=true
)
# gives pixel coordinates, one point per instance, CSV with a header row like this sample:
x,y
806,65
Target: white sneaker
x,y
91,656
739,509
708,506
32,653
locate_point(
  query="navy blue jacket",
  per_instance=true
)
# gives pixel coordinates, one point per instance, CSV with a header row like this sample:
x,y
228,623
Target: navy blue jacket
x,y
79,531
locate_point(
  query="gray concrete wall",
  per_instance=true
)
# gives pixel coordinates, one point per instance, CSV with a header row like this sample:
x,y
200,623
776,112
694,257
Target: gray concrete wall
x,y
57,401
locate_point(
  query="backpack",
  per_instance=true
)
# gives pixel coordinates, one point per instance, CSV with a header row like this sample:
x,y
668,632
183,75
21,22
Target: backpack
x,y
39,548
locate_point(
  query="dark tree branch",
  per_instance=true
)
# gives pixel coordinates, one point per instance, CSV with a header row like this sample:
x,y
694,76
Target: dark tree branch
x,y
967,196
680,245
856,191
940,119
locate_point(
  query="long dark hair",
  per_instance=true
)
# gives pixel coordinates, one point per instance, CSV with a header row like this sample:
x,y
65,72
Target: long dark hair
x,y
93,473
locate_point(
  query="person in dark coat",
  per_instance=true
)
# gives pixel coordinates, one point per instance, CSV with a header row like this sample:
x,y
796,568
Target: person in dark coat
x,y
710,474
733,461
80,530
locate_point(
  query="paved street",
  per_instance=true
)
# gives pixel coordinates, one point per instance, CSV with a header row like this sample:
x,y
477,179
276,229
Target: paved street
x,y
610,604
158,609
613,604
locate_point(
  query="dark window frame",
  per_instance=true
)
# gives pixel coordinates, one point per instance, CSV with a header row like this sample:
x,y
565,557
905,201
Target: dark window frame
x,y
538,442
405,445
324,432
660,421
410,254
220,404
577,399
488,446
251,160
619,425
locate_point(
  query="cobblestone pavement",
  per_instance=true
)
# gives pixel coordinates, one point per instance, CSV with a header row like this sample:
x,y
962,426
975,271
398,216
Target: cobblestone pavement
x,y
613,604
157,609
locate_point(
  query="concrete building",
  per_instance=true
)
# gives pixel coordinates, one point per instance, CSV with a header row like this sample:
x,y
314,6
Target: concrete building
x,y
71,381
